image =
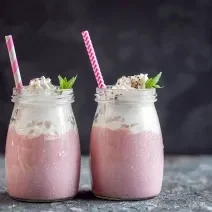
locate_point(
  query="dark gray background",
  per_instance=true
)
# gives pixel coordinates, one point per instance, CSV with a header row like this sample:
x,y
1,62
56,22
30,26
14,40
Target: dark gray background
x,y
173,36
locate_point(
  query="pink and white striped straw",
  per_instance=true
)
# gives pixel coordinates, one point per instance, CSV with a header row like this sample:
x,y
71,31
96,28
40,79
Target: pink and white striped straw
x,y
93,59
14,62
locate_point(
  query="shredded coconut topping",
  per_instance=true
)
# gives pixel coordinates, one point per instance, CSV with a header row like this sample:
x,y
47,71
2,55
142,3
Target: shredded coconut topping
x,y
41,85
131,82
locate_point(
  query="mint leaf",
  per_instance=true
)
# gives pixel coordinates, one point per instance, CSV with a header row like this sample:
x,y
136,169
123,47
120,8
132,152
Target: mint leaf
x,y
66,84
72,81
148,83
157,86
152,82
156,78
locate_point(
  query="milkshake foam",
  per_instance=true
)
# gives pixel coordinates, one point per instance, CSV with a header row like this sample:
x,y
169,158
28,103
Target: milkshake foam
x,y
136,119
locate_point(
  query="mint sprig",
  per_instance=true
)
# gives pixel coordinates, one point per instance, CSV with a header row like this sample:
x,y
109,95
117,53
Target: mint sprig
x,y
66,84
152,82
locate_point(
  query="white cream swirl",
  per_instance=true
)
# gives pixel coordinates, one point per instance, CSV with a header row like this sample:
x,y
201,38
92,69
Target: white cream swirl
x,y
131,82
41,85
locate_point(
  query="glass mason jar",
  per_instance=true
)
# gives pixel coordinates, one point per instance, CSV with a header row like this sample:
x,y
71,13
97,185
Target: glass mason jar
x,y
42,148
126,148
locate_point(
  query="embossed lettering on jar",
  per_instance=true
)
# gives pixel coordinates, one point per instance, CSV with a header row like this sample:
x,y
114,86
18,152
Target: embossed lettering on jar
x,y
42,149
126,149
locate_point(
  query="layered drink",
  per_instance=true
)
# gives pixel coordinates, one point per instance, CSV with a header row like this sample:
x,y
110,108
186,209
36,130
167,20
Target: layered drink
x,y
126,146
42,149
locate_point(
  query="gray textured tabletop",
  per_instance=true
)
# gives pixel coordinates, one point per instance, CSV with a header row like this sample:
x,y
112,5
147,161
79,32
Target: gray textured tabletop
x,y
187,187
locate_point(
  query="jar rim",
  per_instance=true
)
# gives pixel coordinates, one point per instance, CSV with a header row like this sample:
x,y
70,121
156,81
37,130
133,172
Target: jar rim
x,y
110,88
56,95
57,92
125,95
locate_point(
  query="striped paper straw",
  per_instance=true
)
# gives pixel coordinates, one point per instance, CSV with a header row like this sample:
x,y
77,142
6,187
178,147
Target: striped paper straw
x,y
93,59
14,62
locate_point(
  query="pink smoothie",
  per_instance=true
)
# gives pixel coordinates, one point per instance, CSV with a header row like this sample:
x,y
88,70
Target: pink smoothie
x,y
42,168
126,165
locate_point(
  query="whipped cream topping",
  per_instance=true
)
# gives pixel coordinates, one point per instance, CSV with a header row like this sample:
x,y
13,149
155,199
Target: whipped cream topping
x,y
40,85
131,82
